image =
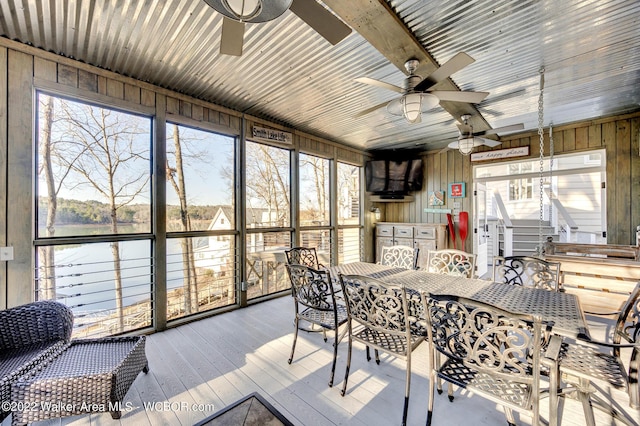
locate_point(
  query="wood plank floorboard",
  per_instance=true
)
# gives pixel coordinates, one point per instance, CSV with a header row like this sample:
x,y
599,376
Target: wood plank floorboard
x,y
201,367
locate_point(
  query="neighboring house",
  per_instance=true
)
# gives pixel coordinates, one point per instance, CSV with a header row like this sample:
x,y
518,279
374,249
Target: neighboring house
x,y
577,184
212,251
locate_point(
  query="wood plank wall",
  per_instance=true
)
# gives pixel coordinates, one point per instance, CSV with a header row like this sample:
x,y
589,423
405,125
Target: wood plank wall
x,y
619,135
26,69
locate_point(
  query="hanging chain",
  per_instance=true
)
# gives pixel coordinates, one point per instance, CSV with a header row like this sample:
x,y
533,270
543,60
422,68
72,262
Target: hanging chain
x,y
541,134
551,193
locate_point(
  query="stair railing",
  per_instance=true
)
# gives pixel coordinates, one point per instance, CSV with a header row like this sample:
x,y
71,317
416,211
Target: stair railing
x,y
507,225
569,226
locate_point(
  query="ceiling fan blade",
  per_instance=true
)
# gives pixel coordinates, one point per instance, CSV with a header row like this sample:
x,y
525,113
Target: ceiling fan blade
x,y
374,82
488,142
445,149
368,110
321,20
232,37
453,145
453,65
457,96
510,128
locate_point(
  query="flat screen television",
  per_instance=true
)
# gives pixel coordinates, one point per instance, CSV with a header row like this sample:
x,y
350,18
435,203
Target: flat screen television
x,y
393,178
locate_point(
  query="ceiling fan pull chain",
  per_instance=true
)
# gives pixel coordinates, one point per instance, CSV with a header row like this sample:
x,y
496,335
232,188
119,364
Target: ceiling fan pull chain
x,y
539,249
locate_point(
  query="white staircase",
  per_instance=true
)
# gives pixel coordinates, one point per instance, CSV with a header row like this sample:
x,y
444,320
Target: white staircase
x,y
525,236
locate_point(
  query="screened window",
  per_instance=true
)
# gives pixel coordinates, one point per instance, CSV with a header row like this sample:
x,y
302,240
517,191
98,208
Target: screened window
x,y
268,198
349,213
314,191
348,194
200,201
268,186
93,168
93,184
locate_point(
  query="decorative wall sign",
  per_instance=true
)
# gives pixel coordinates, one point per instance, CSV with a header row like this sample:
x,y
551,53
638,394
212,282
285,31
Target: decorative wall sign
x,y
457,190
271,135
437,211
498,154
436,198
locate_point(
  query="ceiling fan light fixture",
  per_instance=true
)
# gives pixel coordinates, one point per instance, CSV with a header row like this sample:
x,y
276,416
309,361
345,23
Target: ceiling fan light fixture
x,y
465,145
412,107
243,10
253,11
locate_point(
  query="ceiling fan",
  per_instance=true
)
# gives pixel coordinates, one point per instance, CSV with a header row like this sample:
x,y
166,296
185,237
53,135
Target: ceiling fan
x,y
468,140
418,95
237,12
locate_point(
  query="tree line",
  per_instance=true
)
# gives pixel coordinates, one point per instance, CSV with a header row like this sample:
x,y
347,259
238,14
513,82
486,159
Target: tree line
x,y
91,212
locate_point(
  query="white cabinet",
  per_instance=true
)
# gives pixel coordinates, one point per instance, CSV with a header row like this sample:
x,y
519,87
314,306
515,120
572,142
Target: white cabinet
x,y
423,236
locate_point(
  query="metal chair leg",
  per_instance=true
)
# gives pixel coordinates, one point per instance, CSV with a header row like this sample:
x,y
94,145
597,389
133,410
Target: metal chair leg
x,y
508,413
295,338
407,389
432,387
584,396
346,372
553,396
335,357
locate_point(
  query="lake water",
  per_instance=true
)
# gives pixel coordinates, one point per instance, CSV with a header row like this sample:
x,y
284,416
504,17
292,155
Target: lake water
x,y
85,279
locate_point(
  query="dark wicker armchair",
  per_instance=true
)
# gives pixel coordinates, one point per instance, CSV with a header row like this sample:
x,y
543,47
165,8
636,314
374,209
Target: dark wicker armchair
x,y
28,334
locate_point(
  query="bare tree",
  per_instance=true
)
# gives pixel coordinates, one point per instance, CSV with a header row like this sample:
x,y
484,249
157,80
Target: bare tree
x,y
267,180
48,150
175,175
316,201
47,281
102,151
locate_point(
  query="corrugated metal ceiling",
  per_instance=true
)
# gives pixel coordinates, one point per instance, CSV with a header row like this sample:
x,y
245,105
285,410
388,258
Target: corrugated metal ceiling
x,y
288,73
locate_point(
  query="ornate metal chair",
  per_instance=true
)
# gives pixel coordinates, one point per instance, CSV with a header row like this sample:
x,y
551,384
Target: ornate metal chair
x,y
379,317
491,352
303,256
399,256
315,302
582,363
527,271
451,262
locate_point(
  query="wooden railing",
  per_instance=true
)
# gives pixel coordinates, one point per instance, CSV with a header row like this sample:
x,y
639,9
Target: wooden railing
x,y
601,275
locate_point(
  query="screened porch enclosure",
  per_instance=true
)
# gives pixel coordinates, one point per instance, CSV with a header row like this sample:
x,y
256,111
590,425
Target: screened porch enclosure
x,y
112,239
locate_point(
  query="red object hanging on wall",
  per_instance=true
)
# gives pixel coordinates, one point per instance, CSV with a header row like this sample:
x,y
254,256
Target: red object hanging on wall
x,y
452,230
463,227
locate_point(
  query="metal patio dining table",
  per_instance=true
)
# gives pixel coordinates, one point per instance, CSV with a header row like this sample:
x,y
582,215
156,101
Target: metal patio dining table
x,y
562,309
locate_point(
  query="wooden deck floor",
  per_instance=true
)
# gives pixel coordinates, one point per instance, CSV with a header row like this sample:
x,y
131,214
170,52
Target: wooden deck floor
x,y
201,367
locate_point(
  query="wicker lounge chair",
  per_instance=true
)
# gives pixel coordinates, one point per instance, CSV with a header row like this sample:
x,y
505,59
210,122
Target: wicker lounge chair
x,y
30,334
87,376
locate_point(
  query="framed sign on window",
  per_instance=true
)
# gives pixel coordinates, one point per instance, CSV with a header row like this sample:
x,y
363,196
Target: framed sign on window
x,y
457,190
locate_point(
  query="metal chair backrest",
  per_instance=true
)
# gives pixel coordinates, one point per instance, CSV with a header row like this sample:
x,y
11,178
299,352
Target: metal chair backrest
x,y
628,329
303,256
485,339
312,288
399,256
451,262
527,271
376,305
